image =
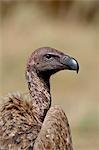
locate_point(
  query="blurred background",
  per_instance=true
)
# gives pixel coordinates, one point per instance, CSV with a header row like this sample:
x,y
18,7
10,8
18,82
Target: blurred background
x,y
70,26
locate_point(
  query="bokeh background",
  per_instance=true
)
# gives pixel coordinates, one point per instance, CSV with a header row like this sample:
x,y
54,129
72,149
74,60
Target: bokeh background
x,y
71,26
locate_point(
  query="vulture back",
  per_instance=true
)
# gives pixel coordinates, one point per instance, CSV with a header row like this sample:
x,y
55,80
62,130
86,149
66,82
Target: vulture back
x,y
55,132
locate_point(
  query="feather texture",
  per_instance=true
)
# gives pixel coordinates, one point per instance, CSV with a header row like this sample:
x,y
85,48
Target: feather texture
x,y
28,119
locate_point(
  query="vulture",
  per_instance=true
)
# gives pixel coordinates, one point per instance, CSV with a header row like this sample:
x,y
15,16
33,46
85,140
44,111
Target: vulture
x,y
28,122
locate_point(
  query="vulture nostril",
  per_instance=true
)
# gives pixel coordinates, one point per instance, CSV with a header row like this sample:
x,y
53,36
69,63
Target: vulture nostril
x,y
26,120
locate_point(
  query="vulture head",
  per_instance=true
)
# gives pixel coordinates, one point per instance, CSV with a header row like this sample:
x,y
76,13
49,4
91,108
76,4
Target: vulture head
x,y
46,61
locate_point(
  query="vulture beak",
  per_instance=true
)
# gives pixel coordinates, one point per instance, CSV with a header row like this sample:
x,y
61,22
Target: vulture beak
x,y
70,63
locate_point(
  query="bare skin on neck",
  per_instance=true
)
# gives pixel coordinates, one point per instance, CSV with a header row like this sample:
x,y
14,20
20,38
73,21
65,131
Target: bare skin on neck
x,y
21,121
40,94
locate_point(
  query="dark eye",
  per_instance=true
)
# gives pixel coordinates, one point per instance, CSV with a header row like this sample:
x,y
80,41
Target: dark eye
x,y
48,56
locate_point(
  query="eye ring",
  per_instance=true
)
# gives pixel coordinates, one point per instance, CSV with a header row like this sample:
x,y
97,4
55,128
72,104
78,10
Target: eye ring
x,y
48,56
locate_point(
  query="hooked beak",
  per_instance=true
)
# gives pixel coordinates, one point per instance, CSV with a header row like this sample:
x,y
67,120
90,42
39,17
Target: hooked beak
x,y
70,63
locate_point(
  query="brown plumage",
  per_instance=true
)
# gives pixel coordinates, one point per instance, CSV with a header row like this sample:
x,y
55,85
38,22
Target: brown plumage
x,y
21,120
55,132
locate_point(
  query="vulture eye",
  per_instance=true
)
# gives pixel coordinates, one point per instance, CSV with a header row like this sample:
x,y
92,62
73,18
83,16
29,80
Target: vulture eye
x,y
48,56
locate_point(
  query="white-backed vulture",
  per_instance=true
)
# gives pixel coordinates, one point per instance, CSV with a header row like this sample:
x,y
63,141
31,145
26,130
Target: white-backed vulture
x,y
29,121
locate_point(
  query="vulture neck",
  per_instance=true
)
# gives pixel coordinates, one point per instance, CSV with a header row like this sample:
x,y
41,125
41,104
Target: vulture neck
x,y
39,89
